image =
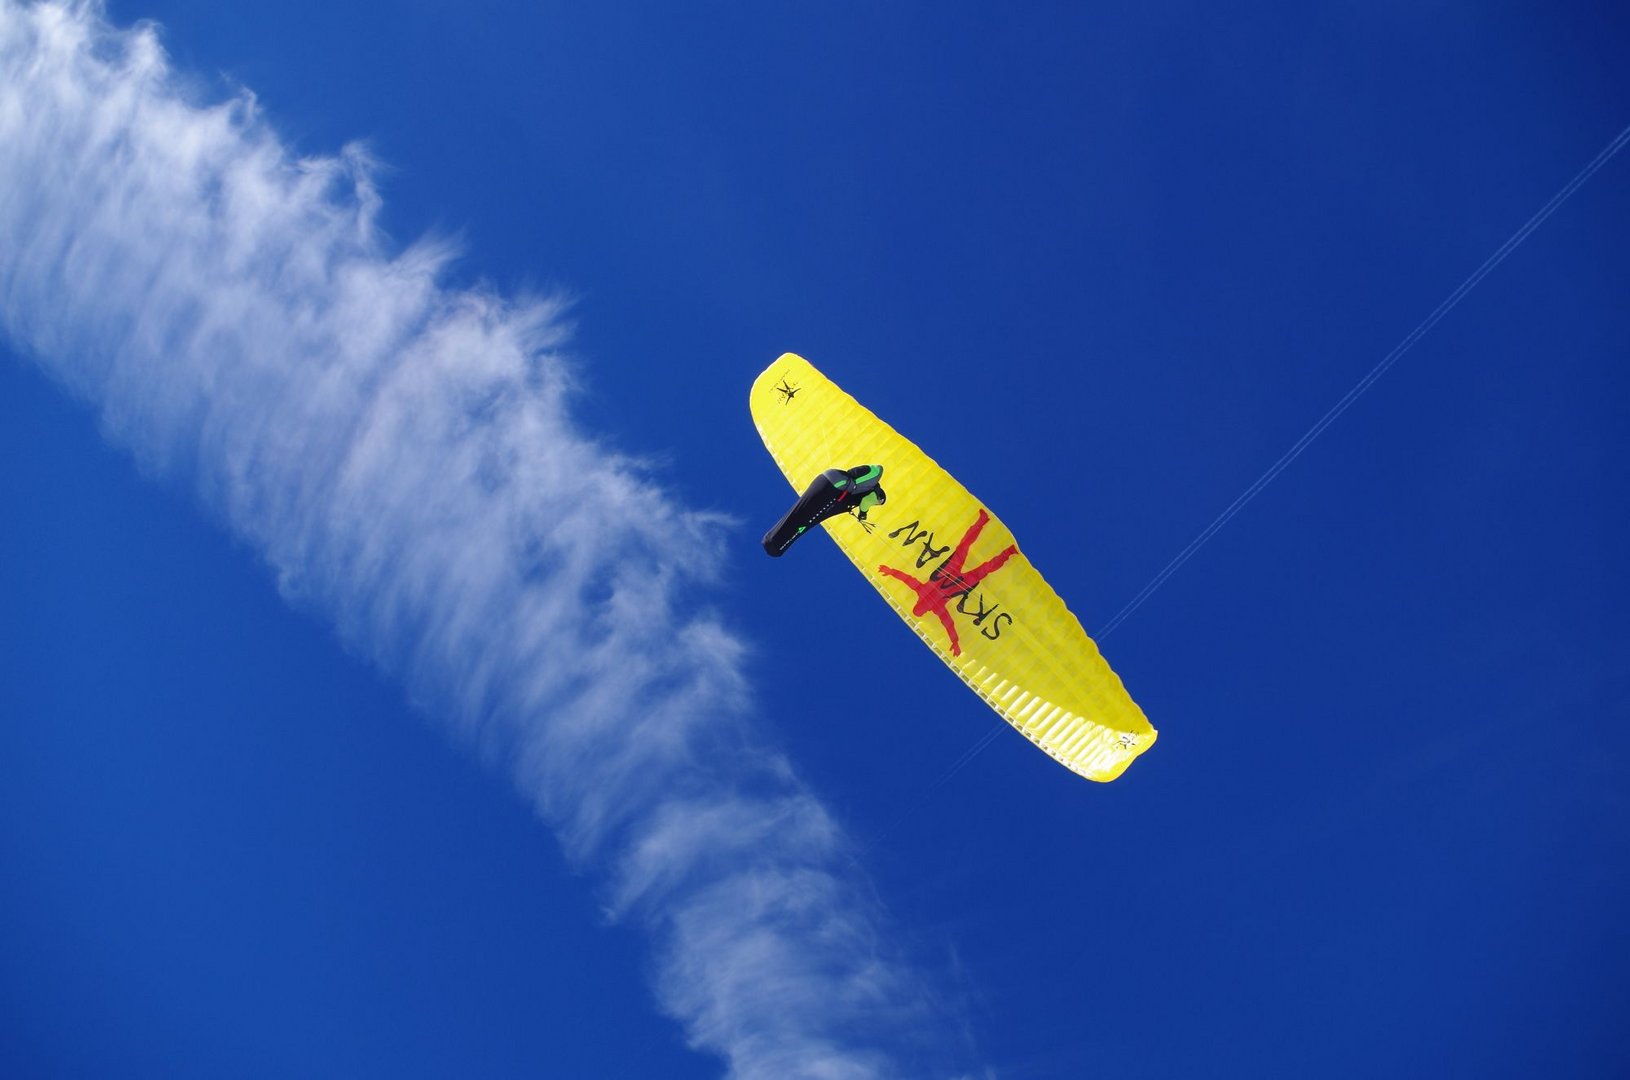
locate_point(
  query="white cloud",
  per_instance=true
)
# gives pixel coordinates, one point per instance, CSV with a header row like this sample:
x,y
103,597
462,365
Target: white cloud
x,y
403,455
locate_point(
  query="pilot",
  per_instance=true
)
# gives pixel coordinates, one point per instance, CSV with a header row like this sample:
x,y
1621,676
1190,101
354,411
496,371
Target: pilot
x,y
834,492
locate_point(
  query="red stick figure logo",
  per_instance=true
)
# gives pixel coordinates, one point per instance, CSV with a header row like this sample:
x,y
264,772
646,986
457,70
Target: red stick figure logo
x,y
949,580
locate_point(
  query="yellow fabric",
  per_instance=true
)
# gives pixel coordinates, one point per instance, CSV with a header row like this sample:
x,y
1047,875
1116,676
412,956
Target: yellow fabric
x,y
1016,644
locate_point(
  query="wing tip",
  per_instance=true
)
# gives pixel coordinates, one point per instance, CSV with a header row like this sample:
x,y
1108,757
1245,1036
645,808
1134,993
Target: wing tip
x,y
1103,769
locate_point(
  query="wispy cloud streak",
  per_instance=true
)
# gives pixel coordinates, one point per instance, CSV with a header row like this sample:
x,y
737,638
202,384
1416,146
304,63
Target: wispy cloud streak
x,y
403,455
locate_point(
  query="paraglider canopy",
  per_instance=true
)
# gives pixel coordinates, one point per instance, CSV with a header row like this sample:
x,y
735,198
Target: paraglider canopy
x,y
948,567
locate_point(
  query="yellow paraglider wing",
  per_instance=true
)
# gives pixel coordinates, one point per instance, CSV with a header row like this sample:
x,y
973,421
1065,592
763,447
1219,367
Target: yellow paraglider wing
x,y
954,573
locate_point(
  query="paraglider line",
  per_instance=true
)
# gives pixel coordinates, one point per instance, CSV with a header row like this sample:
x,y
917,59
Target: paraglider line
x,y
956,766
973,751
1369,380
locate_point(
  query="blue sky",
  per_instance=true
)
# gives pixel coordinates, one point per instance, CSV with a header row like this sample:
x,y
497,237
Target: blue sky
x,y
312,557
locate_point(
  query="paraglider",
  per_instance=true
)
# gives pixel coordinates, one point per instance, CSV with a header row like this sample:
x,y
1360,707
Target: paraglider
x,y
948,567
